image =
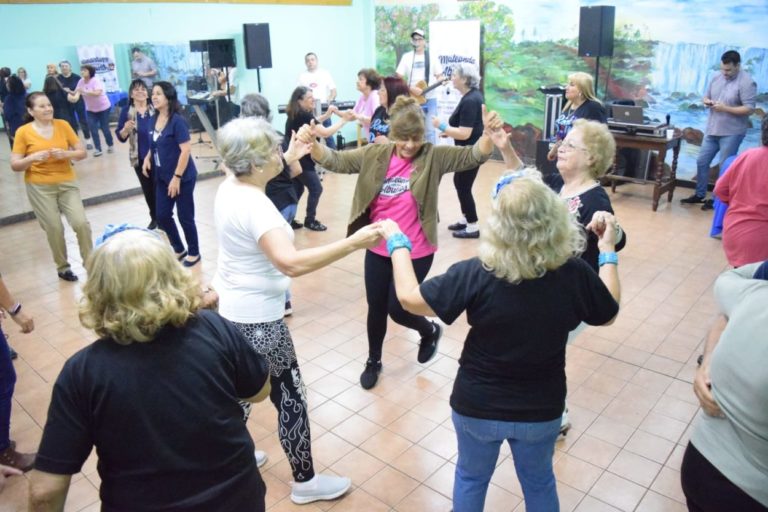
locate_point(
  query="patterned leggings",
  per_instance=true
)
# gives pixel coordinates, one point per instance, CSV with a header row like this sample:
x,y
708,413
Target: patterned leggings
x,y
273,341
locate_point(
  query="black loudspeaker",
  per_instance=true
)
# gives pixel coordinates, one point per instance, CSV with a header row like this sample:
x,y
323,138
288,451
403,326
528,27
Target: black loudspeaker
x,y
258,50
596,31
221,53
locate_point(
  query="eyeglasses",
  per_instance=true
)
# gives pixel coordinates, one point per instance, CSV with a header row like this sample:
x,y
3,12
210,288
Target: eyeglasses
x,y
568,146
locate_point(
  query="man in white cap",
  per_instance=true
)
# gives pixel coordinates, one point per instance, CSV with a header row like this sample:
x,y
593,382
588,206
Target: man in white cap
x,y
419,65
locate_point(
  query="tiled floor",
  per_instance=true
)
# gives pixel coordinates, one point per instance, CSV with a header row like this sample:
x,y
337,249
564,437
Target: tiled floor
x,y
630,395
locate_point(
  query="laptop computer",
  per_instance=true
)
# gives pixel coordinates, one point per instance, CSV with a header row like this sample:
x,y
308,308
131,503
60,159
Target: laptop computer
x,y
628,114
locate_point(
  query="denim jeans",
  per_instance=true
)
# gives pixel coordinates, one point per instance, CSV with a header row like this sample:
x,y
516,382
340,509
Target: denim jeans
x,y
310,180
430,111
329,141
533,445
98,120
727,145
7,383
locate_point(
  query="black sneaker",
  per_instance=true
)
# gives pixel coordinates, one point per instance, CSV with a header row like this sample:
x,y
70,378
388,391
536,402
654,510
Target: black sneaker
x,y
466,234
370,375
315,225
458,226
14,354
428,344
68,275
296,225
709,204
694,199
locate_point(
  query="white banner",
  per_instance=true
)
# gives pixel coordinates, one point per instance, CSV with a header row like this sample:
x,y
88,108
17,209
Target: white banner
x,y
101,57
452,42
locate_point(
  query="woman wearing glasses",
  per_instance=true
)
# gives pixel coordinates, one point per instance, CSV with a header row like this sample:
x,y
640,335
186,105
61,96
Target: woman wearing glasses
x,y
582,159
257,258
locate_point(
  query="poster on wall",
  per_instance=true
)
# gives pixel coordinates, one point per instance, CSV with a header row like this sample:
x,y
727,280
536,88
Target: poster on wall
x,y
101,57
453,42
175,63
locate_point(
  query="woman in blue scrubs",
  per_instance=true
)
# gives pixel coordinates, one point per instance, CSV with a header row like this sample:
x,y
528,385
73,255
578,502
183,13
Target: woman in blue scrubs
x,y
174,172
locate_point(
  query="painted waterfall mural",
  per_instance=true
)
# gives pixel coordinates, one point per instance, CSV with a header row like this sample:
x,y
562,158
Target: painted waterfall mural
x,y
665,54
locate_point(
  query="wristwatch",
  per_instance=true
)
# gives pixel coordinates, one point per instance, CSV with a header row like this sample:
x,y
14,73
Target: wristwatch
x,y
699,360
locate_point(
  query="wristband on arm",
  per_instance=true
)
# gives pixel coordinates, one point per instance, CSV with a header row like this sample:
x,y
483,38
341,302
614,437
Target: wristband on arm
x,y
398,241
608,258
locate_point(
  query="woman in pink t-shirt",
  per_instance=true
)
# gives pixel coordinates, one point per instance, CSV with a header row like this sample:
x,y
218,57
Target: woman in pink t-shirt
x,y
368,83
744,188
97,105
399,180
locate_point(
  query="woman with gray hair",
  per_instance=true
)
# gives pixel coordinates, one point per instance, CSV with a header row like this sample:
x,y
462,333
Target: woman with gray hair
x,y
257,258
511,382
465,126
280,189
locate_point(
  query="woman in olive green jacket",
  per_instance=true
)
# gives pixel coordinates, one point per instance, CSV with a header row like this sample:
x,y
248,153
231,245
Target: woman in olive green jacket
x,y
400,181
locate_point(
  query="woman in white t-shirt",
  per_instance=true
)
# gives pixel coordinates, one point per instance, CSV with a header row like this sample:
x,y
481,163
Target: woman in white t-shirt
x,y
257,258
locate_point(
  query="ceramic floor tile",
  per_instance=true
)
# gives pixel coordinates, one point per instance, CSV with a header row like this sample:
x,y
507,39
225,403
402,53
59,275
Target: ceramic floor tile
x,y
634,374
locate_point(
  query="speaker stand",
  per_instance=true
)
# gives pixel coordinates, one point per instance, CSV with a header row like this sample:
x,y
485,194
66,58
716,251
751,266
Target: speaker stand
x,y
597,74
258,77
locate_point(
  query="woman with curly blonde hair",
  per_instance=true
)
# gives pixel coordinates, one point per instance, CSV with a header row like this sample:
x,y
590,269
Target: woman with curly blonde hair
x,y
523,295
157,394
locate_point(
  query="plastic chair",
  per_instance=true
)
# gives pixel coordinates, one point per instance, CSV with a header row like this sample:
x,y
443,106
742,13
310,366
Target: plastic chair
x,y
719,206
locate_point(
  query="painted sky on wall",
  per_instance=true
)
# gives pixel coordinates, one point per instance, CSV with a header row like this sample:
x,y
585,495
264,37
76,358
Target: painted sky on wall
x,y
658,19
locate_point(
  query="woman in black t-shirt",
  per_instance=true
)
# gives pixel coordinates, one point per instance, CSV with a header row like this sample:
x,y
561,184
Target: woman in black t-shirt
x,y
58,98
156,394
466,127
523,295
582,104
393,86
300,111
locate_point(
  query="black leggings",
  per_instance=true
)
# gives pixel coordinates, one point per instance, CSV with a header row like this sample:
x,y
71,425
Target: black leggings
x,y
708,490
382,300
463,182
148,188
288,394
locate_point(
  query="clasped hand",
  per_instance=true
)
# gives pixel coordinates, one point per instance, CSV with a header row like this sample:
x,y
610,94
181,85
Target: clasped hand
x,y
604,225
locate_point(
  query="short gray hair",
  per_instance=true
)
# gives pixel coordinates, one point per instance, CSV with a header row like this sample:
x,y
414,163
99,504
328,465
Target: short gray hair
x,y
255,105
469,73
245,143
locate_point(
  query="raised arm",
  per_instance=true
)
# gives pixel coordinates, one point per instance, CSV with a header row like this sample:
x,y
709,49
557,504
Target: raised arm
x,y
344,162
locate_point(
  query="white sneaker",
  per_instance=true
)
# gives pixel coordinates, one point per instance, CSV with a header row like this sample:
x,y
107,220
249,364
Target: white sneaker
x,y
110,149
321,487
261,458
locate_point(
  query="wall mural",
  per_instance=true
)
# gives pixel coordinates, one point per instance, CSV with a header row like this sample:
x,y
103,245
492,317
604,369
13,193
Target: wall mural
x,y
665,53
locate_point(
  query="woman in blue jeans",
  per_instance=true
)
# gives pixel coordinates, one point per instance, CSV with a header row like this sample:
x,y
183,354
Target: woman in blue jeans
x,y
523,295
300,111
8,455
93,92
